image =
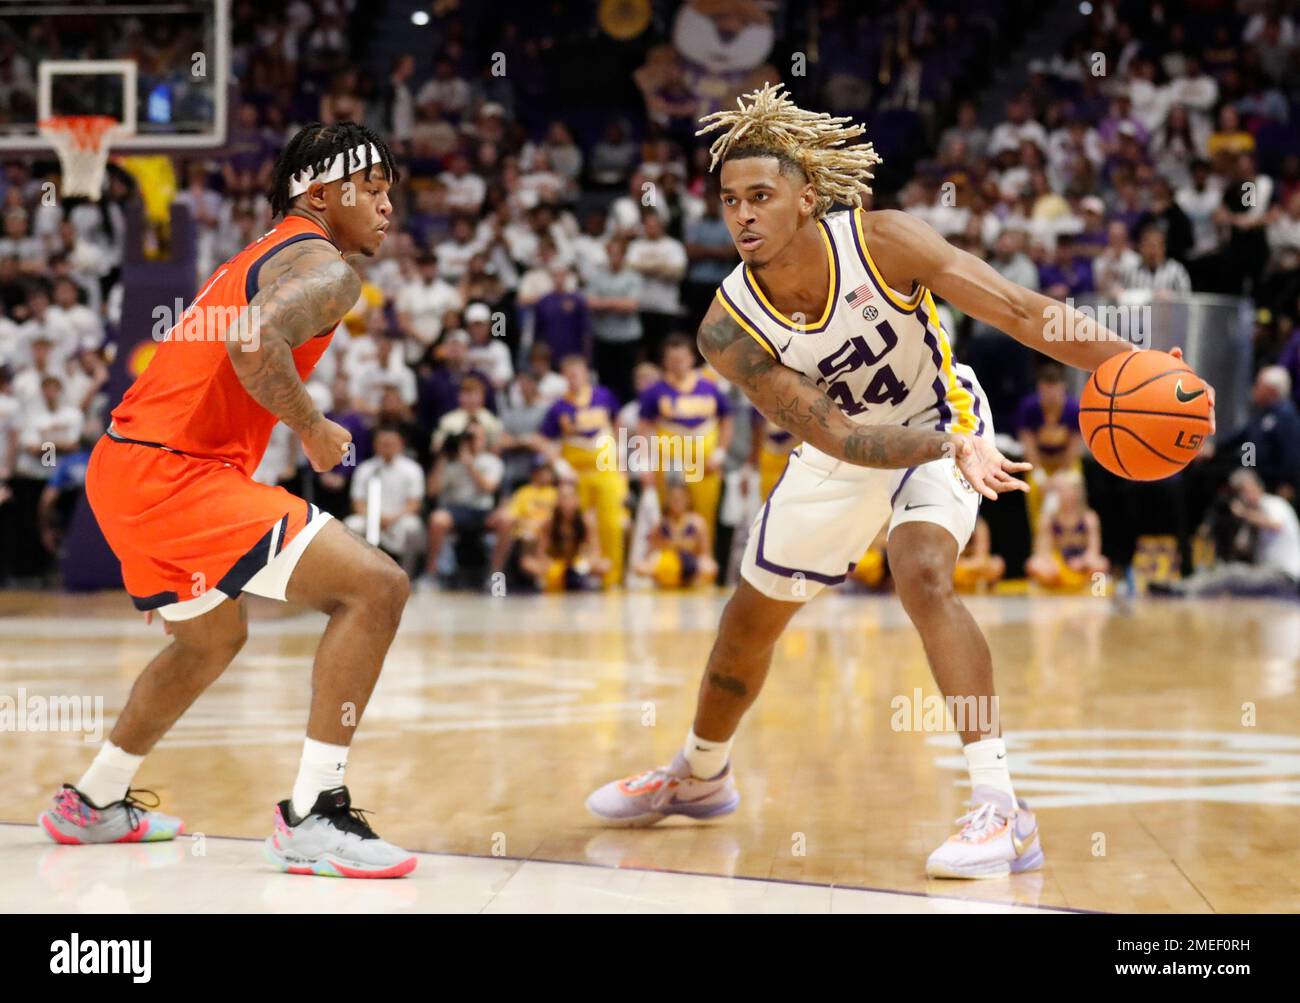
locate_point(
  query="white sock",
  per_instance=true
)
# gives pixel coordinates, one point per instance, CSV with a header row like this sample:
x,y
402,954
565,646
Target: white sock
x,y
987,761
707,759
109,775
321,769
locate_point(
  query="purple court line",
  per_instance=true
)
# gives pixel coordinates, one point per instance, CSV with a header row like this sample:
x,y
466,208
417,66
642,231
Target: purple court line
x,y
688,874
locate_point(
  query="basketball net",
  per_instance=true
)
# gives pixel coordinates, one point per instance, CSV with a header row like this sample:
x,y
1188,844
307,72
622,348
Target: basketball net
x,y
81,141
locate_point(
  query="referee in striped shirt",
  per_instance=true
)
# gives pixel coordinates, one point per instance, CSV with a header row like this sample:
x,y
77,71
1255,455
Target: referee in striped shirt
x,y
1154,270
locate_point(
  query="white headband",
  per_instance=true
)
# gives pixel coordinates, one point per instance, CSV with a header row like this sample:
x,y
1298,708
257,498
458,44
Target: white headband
x,y
346,163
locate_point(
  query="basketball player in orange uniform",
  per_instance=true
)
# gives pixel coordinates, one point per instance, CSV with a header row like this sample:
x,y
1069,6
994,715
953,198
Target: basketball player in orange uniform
x,y
894,433
170,484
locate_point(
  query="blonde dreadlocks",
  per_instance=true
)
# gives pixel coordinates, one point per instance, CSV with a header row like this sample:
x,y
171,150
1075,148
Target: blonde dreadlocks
x,y
773,124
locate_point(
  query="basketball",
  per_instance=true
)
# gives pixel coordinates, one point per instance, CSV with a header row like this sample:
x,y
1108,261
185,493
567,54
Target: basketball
x,y
1144,415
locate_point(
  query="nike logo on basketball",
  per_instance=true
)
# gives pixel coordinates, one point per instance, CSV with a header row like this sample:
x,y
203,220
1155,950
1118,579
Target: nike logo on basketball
x,y
909,506
1183,395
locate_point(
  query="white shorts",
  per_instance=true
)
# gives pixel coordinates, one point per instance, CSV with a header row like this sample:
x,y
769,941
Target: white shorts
x,y
823,514
271,581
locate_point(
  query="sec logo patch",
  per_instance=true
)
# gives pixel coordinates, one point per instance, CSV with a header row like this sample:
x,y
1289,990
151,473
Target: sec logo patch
x,y
870,312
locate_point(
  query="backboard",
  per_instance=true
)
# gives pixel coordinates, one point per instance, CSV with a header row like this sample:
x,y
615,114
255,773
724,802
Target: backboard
x,y
160,67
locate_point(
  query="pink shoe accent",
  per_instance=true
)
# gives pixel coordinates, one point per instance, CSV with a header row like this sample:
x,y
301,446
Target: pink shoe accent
x,y
301,870
56,835
396,871
71,807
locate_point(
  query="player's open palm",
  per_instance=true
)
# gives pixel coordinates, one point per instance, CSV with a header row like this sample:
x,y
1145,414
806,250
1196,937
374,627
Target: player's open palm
x,y
983,465
325,444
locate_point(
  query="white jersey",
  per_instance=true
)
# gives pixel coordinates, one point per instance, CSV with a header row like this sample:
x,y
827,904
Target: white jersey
x,y
882,356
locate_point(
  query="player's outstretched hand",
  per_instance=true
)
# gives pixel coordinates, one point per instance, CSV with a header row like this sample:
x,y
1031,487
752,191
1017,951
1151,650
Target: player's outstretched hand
x,y
983,465
1177,353
325,443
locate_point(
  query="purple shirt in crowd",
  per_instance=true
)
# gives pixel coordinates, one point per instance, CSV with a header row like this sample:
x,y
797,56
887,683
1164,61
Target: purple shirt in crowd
x,y
587,422
1053,436
1076,276
1290,361
663,404
561,321
355,423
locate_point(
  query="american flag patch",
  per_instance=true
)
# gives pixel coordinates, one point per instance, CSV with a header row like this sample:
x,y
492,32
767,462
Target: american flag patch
x,y
859,295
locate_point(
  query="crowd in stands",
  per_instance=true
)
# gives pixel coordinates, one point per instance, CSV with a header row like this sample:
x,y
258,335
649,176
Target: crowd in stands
x,y
529,318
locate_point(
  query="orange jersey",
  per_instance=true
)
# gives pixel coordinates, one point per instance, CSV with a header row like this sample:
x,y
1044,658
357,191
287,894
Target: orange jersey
x,y
189,398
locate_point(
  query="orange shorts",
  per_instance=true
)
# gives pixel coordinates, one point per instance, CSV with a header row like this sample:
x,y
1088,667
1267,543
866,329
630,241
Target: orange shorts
x,y
192,532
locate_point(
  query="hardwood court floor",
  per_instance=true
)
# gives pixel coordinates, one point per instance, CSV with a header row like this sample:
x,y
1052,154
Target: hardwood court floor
x,y
1159,743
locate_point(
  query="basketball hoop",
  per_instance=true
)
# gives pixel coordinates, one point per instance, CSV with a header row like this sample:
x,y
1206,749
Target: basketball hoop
x,y
81,141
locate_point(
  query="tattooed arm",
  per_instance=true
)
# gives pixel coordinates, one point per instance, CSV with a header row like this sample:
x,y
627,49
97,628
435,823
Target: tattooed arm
x,y
305,289
800,407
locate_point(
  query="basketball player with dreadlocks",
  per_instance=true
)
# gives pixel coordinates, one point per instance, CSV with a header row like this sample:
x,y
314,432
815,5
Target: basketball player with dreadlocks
x,y
170,484
829,326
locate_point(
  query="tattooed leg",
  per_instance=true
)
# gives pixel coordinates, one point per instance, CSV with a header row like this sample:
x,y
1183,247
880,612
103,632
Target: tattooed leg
x,y
739,661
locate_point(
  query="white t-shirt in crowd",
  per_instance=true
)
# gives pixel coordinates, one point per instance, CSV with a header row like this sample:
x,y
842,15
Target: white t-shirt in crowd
x,y
493,361
27,384
452,95
1279,548
667,257
464,193
550,388
87,330
368,384
13,345
10,420
589,255
29,250
401,482
459,489
63,337
425,303
42,425
1009,136
278,460
453,257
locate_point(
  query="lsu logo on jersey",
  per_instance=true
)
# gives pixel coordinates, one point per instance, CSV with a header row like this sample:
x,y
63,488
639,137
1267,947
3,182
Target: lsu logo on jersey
x,y
960,478
856,376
